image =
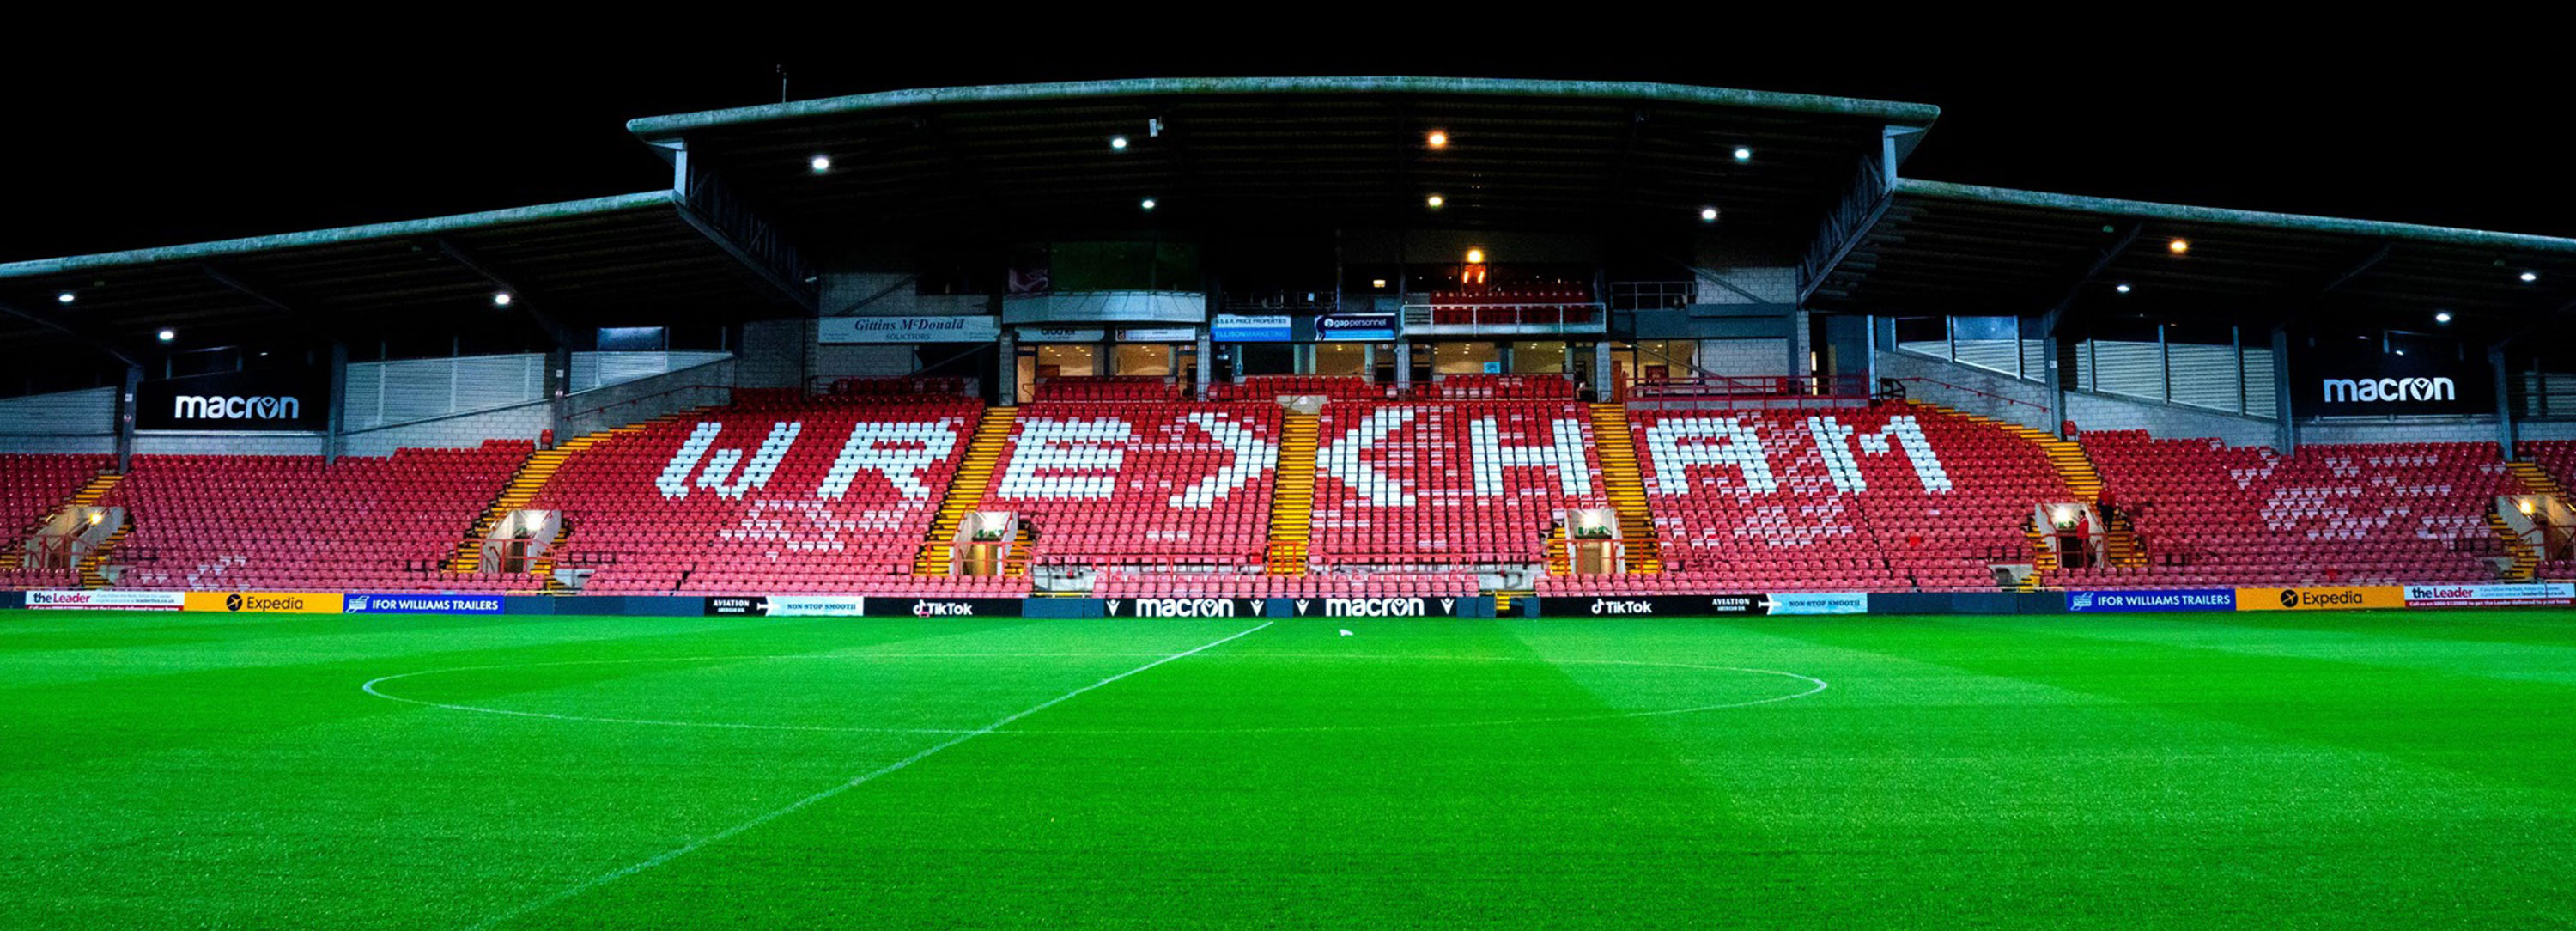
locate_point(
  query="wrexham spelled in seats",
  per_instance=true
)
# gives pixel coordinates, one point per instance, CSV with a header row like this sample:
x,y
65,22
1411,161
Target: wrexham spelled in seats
x,y
1107,483
1455,483
778,493
2210,514
1892,497
292,523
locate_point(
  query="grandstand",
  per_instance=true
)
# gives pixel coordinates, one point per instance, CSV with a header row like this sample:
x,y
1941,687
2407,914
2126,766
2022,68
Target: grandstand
x,y
1736,365
1346,502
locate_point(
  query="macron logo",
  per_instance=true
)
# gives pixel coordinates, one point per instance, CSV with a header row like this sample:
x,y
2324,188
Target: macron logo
x,y
235,407
2389,390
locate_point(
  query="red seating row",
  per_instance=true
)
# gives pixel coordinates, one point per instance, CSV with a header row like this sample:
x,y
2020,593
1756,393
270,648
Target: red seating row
x,y
282,523
1890,497
1103,483
2210,514
1449,483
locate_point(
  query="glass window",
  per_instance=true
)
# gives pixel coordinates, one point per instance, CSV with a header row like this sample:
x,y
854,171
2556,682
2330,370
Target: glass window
x,y
1535,358
1341,359
1142,358
1464,358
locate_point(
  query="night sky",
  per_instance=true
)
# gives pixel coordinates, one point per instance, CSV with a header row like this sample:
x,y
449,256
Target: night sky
x,y
139,146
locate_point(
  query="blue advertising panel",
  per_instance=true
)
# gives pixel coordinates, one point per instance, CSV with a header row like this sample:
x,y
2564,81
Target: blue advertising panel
x,y
2189,599
1233,328
421,603
1356,326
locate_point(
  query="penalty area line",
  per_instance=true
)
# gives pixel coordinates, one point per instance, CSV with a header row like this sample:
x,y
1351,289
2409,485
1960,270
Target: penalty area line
x,y
825,795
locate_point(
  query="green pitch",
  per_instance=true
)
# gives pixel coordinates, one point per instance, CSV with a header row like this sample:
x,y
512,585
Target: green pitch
x,y
2189,771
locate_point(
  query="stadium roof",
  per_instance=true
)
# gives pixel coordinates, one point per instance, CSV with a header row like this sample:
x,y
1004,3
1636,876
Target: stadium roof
x,y
627,258
1272,152
1944,248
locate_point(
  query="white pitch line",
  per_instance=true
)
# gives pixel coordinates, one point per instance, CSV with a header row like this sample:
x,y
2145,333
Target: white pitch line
x,y
854,782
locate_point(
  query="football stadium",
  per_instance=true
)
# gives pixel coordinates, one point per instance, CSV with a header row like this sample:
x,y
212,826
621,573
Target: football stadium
x,y
1339,502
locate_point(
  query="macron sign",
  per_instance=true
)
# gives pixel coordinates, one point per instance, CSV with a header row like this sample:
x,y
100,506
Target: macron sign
x,y
277,400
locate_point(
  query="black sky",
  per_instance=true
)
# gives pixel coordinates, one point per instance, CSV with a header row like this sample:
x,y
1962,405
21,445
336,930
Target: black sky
x,y
2445,123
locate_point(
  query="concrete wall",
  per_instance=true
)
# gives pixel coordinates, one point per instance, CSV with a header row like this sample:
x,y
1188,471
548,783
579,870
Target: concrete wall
x,y
775,353
645,399
2110,412
219,443
2034,414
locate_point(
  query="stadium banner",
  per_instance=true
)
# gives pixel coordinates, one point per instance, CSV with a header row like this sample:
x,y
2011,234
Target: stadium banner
x,y
1182,607
1818,603
284,400
2325,598
266,602
1355,326
420,603
2347,377
1655,605
2495,595
943,607
2184,599
108,600
1238,328
788,605
957,329
1372,607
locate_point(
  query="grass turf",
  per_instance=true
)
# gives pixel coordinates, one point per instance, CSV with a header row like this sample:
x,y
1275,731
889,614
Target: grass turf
x,y
2389,769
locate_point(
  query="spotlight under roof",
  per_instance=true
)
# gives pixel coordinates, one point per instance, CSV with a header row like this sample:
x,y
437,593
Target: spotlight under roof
x,y
2442,316
167,335
64,298
1434,201
501,298
1118,143
2122,287
1708,214
1438,139
820,163
2529,277
1743,153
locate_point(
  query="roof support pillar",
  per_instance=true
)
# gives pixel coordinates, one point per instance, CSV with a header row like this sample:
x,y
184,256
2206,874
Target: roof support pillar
x,y
1006,368
2504,399
558,388
339,402
2051,350
125,407
1199,369
2287,436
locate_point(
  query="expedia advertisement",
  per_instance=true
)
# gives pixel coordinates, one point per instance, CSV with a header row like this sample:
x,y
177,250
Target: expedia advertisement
x,y
2323,598
1182,607
2332,380
265,602
275,399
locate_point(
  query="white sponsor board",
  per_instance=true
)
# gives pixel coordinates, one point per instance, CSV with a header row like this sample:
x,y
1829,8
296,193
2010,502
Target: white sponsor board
x,y
1819,603
2482,595
1167,334
108,600
817,606
983,329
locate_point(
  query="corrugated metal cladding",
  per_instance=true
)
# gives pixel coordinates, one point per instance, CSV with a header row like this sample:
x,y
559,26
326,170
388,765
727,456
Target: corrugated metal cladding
x,y
1745,357
63,413
406,390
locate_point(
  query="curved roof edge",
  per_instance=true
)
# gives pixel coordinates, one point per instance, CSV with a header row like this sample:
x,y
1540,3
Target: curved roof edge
x,y
430,226
663,127
2231,217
